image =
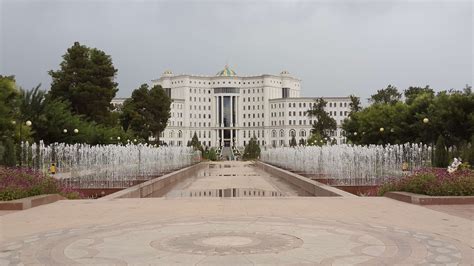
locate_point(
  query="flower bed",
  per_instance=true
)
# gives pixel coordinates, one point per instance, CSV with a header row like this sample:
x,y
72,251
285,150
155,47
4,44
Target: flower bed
x,y
434,182
17,183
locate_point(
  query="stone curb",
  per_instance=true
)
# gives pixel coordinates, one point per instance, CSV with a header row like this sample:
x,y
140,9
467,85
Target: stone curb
x,y
313,187
429,200
30,202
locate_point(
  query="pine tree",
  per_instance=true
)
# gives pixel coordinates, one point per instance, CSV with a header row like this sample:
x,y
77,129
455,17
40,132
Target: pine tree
x,y
195,143
86,80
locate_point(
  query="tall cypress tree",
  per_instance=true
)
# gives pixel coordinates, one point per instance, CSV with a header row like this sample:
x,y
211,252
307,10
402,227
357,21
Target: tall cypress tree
x,y
86,80
441,153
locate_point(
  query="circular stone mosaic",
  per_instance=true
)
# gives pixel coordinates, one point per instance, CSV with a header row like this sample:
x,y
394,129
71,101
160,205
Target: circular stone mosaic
x,y
228,243
234,240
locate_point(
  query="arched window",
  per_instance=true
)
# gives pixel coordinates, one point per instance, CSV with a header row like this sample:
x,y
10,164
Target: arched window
x,y
180,134
292,133
282,133
171,134
302,133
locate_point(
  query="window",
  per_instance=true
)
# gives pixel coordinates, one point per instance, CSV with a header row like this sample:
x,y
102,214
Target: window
x,y
292,133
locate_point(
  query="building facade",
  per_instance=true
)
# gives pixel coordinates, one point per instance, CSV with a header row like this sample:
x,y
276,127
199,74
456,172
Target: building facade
x,y
228,109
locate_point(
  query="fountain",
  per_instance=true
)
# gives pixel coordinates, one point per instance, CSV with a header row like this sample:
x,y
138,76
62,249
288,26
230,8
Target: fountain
x,y
351,164
106,166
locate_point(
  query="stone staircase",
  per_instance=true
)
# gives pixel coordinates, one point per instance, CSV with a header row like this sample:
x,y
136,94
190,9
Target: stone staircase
x,y
227,154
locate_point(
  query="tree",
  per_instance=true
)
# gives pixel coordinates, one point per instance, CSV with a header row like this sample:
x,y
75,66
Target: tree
x,y
195,143
354,104
315,140
9,97
324,123
86,80
32,103
146,112
51,117
364,127
389,95
441,153
413,92
252,150
293,141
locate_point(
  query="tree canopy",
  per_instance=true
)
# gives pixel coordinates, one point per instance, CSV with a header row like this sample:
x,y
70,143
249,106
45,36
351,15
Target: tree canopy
x,y
86,80
355,104
147,112
421,118
389,95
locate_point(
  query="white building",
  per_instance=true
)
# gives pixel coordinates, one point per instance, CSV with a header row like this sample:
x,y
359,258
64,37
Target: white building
x,y
228,110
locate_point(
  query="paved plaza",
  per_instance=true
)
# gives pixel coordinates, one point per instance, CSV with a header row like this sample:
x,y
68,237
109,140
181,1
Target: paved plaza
x,y
285,230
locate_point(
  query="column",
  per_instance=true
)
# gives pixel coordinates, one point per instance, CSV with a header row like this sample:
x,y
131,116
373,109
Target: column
x,y
222,111
216,112
236,122
231,137
231,112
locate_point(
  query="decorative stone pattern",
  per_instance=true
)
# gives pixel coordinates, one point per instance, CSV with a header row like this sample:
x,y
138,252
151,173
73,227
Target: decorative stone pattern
x,y
229,243
235,240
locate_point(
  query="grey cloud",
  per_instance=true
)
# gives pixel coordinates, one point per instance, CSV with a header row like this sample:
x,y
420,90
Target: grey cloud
x,y
336,48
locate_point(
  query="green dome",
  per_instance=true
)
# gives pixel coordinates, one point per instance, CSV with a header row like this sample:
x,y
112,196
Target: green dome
x,y
227,72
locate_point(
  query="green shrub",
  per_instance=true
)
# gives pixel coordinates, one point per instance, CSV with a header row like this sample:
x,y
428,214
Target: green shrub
x,y
210,154
252,150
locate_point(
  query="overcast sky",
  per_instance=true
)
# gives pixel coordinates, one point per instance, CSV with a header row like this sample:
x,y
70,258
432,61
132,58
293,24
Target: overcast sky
x,y
337,48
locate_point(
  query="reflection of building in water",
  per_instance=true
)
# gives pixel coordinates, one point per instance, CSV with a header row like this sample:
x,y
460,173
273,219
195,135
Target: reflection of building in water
x,y
228,110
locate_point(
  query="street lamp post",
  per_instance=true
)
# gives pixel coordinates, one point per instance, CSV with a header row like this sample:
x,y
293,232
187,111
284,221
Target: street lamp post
x,y
431,142
28,123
